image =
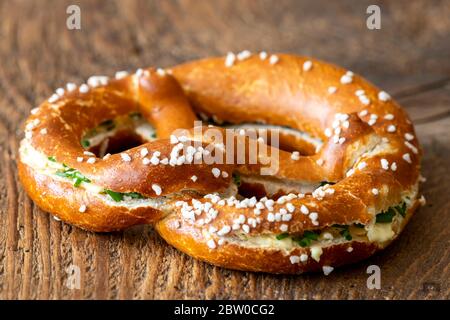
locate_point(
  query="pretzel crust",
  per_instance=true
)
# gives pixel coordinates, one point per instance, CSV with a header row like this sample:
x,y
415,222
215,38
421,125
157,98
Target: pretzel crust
x,y
239,257
376,133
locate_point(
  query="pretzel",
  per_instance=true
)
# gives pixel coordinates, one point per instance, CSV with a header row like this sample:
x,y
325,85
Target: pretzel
x,y
347,173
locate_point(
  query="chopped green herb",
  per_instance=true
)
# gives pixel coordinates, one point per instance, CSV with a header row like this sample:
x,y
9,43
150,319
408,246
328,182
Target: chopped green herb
x,y
311,235
345,231
116,196
401,209
305,242
386,216
282,236
66,173
306,239
359,225
85,143
346,234
62,174
153,135
73,174
237,179
52,158
77,182
134,195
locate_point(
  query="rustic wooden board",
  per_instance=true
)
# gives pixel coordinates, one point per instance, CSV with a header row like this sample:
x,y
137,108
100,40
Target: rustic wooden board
x,y
408,57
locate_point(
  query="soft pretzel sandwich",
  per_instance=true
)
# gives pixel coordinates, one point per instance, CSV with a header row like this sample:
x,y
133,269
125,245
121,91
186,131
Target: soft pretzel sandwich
x,y
346,176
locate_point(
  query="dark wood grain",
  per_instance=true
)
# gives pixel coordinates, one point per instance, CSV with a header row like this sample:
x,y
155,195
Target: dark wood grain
x,y
408,57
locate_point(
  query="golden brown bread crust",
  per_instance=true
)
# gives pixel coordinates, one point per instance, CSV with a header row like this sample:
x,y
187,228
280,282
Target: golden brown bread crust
x,y
369,150
192,241
284,94
68,120
233,256
63,200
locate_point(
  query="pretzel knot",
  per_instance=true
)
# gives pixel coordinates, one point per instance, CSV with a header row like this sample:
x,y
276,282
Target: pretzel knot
x,y
334,178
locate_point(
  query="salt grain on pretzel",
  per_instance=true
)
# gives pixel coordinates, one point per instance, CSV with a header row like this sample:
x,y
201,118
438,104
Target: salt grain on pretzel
x,y
331,89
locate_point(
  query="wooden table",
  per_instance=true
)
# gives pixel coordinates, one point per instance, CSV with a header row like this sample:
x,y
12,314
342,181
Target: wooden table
x,y
408,57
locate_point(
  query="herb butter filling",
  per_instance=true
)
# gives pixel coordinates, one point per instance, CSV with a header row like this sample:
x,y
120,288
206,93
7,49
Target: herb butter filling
x,y
347,232
70,173
78,178
382,224
121,196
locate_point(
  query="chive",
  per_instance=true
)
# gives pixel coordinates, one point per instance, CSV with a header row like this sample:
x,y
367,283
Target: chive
x,y
85,143
134,195
386,216
359,225
401,209
306,239
346,234
153,135
345,231
81,177
52,158
237,179
77,182
282,236
311,235
304,242
61,174
71,173
116,196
